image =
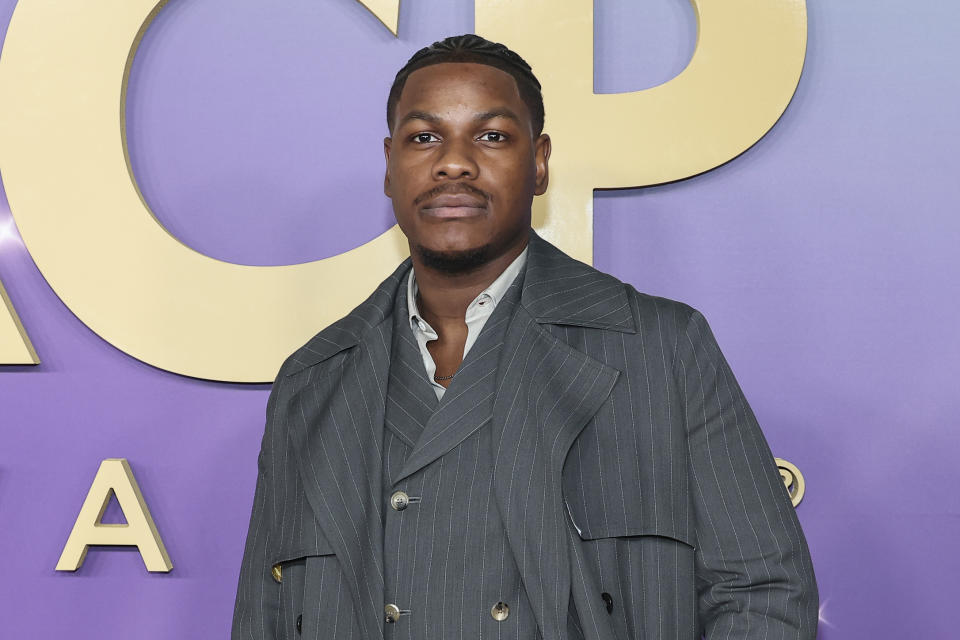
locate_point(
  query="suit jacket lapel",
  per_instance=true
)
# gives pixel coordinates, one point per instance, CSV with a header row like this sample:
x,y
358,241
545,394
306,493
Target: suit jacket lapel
x,y
466,406
411,401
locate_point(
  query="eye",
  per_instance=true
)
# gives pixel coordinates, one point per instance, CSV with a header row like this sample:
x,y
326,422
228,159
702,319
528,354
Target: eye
x,y
425,138
493,136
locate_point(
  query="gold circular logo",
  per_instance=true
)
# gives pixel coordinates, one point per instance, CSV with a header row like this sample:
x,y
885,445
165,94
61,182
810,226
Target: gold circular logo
x,y
792,480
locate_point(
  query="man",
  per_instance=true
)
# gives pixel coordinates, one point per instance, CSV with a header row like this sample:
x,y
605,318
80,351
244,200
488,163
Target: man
x,y
502,441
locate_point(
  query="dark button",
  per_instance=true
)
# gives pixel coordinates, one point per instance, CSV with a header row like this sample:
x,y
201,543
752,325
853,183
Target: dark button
x,y
300,624
608,600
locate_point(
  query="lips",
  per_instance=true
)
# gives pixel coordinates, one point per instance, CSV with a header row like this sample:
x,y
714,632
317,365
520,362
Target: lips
x,y
458,205
455,200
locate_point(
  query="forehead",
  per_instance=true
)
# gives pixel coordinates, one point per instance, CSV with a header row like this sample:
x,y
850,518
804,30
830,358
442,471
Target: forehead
x,y
449,85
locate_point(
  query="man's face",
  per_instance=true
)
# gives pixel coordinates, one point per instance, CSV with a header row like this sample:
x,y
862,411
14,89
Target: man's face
x,y
463,164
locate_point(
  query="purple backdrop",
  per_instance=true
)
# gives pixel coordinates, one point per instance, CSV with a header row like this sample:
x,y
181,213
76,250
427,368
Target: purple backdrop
x,y
823,257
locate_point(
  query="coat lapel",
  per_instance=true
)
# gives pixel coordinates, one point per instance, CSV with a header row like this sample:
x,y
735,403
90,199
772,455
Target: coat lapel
x,y
547,394
336,417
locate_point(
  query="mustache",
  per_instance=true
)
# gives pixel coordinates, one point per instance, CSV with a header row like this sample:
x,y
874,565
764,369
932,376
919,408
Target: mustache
x,y
451,188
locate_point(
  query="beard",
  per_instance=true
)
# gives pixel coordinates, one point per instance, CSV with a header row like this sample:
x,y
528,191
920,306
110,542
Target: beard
x,y
454,262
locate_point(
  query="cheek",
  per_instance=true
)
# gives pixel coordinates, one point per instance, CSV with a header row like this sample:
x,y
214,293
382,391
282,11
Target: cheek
x,y
521,174
518,186
409,177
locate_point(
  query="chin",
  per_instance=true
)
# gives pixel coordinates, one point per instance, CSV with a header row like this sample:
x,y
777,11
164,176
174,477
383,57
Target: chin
x,y
454,260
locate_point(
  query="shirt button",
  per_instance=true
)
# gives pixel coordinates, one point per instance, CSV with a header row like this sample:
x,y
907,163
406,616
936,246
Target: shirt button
x,y
500,611
391,613
399,501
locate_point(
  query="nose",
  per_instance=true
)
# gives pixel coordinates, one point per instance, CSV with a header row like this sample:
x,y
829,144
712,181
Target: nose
x,y
456,161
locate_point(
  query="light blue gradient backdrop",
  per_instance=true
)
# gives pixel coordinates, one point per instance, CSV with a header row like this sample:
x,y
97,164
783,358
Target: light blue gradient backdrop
x,y
825,258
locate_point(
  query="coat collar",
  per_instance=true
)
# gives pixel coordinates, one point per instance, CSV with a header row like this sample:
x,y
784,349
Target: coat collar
x,y
560,290
556,290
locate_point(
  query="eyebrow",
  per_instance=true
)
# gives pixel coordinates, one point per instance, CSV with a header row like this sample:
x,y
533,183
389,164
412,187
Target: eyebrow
x,y
419,115
501,112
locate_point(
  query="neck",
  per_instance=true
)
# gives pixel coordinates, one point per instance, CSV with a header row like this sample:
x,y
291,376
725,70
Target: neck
x,y
444,297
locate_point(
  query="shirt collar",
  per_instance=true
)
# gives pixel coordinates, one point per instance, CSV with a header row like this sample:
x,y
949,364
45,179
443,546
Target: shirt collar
x,y
494,292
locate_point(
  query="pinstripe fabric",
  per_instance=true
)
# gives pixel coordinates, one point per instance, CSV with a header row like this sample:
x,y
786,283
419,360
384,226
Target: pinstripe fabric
x,y
411,400
446,556
320,473
638,496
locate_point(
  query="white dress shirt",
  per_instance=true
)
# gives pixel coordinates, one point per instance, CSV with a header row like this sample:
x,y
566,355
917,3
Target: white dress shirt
x,y
476,316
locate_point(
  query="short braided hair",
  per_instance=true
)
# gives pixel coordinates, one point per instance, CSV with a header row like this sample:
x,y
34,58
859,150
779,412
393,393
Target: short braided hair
x,y
473,48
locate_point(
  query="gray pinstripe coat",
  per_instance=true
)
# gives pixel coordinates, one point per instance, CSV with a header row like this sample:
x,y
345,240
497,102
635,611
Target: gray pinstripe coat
x,y
627,463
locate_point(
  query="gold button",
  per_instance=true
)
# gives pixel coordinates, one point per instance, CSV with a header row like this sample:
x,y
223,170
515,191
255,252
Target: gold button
x,y
399,501
391,613
500,611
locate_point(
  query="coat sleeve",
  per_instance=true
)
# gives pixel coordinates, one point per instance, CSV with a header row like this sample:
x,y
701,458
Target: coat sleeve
x,y
255,614
753,569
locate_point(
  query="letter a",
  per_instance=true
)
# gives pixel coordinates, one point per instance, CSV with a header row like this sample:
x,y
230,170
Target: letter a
x,y
15,347
115,476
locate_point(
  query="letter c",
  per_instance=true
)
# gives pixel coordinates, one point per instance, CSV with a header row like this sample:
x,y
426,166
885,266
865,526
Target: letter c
x,y
63,75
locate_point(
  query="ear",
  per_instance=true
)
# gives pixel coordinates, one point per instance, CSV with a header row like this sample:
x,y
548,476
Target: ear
x,y
541,157
386,174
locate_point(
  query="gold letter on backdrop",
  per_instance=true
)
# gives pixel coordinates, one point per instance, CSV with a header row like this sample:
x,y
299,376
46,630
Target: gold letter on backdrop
x,y
741,78
63,76
15,346
115,478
